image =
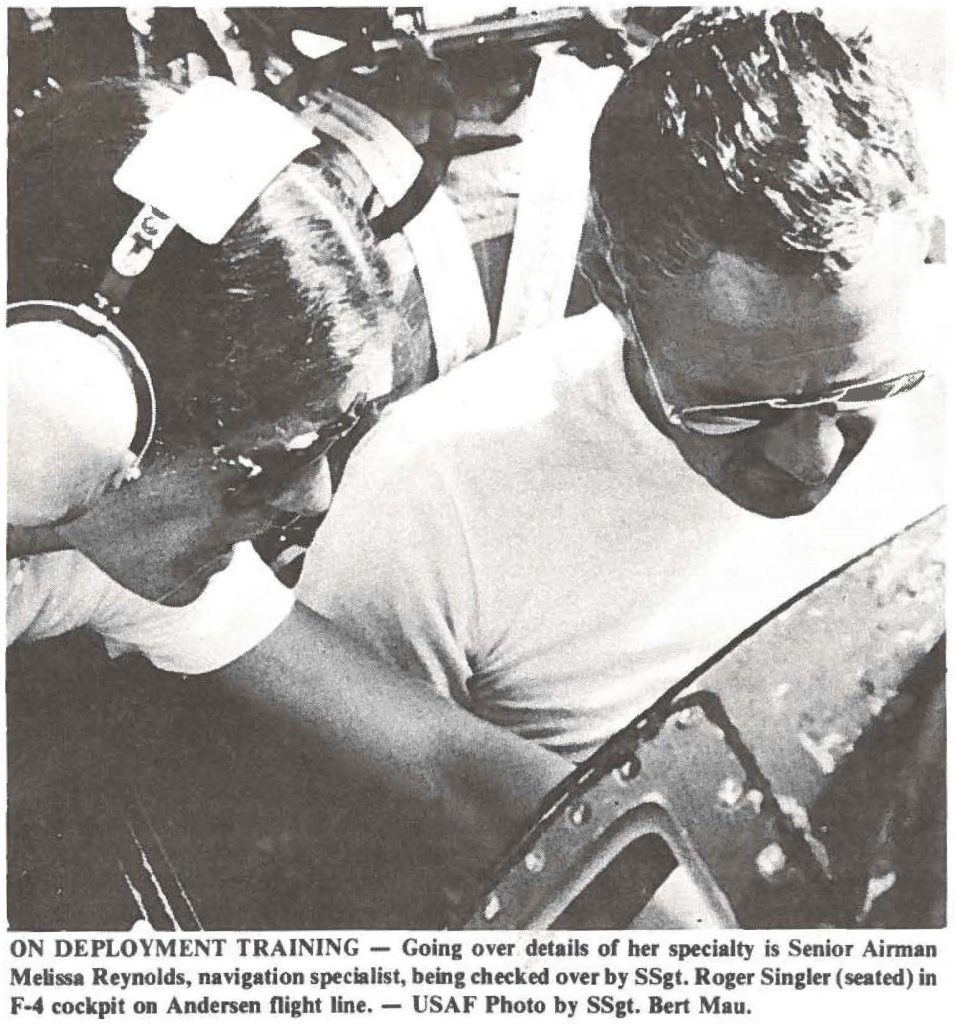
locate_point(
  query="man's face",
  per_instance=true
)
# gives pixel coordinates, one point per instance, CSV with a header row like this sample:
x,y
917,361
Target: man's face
x,y
735,332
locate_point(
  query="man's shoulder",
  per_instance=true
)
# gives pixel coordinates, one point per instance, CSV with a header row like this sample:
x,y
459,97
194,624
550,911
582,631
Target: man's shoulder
x,y
509,387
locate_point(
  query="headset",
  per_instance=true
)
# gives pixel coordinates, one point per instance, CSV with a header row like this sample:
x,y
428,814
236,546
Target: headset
x,y
94,324
199,167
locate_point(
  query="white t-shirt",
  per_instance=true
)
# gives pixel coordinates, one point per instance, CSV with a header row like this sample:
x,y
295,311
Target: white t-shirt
x,y
48,595
51,594
519,534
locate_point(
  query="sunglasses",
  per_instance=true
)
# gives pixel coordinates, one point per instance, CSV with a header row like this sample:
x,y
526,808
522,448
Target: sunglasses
x,y
734,417
715,420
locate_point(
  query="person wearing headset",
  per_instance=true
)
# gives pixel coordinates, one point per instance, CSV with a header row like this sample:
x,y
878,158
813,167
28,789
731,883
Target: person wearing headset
x,y
176,342
246,345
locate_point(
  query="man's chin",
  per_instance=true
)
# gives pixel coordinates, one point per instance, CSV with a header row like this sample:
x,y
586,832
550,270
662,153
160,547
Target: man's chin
x,y
779,501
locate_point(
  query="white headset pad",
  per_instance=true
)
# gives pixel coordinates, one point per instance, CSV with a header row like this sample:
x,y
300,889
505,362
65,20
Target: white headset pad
x,y
208,158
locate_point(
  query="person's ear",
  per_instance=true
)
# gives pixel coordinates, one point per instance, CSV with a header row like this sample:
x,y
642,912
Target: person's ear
x,y
596,269
310,493
594,260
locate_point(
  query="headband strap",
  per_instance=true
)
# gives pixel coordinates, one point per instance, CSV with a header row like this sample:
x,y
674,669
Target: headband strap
x,y
200,166
203,162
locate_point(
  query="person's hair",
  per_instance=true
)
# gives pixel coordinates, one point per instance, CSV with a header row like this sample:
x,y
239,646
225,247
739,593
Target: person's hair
x,y
263,328
759,134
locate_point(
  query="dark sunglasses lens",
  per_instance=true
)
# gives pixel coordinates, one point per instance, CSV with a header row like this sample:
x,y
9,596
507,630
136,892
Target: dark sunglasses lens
x,y
712,421
865,394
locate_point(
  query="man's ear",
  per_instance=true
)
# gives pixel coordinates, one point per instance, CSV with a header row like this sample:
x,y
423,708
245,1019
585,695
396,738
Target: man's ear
x,y
310,493
598,272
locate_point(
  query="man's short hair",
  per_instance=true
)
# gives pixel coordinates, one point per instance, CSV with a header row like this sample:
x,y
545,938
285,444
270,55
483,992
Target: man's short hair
x,y
760,134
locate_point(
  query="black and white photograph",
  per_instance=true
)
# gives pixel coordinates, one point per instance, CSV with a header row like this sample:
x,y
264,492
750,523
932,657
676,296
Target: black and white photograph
x,y
476,469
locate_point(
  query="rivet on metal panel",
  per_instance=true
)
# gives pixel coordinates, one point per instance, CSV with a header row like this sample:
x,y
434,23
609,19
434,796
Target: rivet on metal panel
x,y
627,771
534,861
730,791
755,797
689,717
579,814
770,861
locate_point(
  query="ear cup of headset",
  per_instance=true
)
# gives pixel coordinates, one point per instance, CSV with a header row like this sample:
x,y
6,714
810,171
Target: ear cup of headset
x,y
71,417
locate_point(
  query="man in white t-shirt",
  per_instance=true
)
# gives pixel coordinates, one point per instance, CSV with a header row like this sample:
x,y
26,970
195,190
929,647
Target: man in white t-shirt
x,y
559,530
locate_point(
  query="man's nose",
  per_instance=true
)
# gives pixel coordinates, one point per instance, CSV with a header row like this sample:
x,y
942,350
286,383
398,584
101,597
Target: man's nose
x,y
805,444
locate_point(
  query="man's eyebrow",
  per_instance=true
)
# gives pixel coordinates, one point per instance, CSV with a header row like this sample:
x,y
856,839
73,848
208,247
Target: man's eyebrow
x,y
732,357
710,392
716,394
